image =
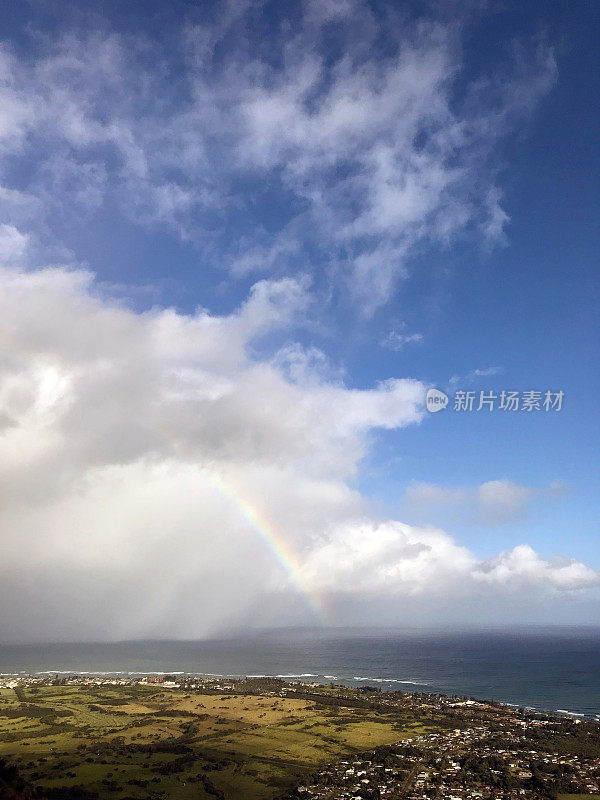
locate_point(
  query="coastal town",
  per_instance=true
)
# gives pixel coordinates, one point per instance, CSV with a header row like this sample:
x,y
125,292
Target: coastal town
x,y
497,752
456,766
446,748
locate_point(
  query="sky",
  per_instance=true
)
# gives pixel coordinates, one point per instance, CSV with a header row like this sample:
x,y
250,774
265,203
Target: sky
x,y
239,244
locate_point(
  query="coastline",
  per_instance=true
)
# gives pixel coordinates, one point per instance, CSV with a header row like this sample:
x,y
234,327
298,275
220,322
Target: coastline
x,y
545,670
385,685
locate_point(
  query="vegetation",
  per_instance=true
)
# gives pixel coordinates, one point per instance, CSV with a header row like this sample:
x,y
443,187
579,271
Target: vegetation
x,y
153,743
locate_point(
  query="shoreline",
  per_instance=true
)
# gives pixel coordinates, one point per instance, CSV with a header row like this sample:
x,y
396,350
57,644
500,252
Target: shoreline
x,y
126,677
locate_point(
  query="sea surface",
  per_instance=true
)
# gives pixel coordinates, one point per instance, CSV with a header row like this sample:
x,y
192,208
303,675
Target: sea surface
x,y
552,670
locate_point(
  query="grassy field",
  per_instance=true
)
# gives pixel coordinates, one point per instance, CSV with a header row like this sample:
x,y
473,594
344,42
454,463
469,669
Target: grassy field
x,y
146,742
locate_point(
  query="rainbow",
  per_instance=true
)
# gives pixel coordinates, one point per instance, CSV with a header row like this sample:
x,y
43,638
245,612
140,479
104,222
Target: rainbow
x,y
274,540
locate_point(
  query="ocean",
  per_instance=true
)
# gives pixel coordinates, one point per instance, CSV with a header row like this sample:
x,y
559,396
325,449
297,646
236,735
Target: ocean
x,y
556,670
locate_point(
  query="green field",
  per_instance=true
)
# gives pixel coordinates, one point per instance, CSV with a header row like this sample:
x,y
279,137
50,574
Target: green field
x,y
146,742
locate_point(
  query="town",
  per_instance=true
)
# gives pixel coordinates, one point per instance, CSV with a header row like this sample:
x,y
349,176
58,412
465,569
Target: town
x,y
457,765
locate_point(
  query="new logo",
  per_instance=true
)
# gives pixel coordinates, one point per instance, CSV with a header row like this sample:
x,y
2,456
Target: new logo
x,y
435,400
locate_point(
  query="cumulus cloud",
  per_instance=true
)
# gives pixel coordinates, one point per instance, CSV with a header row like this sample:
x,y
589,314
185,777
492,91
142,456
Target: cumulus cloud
x,y
119,431
154,467
113,382
523,566
372,151
395,559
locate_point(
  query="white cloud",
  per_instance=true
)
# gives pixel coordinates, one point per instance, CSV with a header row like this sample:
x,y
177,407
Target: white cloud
x,y
165,383
140,453
395,559
502,501
13,244
256,258
495,224
116,426
369,154
145,458
473,376
492,503
396,340
524,567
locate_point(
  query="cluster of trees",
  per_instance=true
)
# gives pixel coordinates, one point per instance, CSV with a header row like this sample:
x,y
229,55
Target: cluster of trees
x,y
547,779
325,699
14,787
490,771
119,746
211,789
178,764
259,685
45,714
579,739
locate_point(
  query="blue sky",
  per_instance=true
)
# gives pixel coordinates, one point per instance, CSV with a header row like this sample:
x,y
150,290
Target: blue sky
x,y
413,190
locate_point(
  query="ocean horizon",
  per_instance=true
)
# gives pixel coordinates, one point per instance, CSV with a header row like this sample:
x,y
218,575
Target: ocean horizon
x,y
553,670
